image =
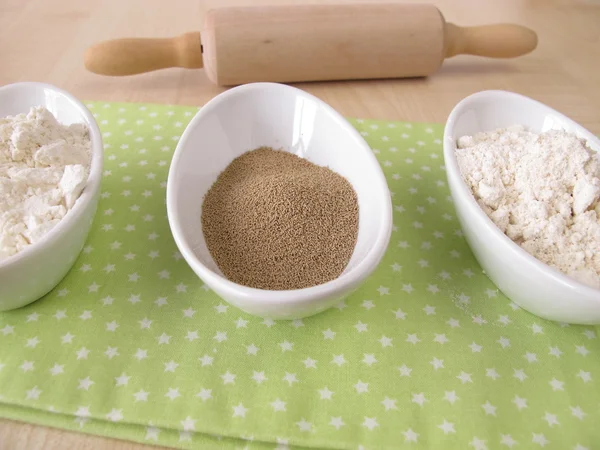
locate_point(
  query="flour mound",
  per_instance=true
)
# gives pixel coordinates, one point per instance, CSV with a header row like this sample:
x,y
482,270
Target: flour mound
x,y
542,191
43,169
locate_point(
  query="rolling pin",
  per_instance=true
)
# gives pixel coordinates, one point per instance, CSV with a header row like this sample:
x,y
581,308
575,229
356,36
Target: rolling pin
x,y
297,43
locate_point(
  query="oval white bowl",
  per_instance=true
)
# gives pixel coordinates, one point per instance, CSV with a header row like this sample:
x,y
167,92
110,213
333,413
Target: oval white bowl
x,y
36,270
279,116
531,284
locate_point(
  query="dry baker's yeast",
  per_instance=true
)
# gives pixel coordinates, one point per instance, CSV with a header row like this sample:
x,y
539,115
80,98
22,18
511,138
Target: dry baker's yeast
x,y
273,220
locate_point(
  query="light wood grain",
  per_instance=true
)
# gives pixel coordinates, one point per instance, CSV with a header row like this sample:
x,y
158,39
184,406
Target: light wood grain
x,y
45,40
308,43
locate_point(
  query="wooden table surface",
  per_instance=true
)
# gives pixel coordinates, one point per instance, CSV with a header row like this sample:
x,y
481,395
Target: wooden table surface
x,y
44,40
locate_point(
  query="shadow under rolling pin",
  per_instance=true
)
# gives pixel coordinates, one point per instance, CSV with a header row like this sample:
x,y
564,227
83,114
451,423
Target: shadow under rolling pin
x,y
297,43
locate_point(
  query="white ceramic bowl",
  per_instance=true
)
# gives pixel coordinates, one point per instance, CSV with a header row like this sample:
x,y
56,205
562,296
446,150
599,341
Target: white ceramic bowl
x,y
280,116
35,271
535,286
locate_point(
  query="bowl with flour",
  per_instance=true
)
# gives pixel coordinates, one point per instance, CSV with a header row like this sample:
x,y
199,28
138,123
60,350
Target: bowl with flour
x,y
525,181
276,202
50,171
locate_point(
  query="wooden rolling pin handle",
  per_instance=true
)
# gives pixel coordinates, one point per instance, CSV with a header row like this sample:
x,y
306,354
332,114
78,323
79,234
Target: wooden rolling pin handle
x,y
493,41
131,56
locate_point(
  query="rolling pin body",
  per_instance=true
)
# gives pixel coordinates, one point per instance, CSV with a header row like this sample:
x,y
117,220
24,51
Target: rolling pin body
x,y
322,42
296,43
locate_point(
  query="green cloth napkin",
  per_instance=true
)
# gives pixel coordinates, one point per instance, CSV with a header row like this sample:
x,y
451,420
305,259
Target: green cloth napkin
x,y
426,354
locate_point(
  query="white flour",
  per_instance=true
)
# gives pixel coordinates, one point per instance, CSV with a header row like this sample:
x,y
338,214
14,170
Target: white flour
x,y
542,191
43,169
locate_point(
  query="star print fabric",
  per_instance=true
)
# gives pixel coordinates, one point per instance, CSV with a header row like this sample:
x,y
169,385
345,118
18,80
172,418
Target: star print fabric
x,y
426,354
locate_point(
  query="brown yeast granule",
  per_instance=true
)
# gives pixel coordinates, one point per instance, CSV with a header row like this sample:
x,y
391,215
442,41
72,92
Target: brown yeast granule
x,y
273,220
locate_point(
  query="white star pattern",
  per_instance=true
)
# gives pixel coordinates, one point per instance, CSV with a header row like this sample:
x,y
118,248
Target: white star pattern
x,y
328,334
551,419
413,339
440,338
82,353
399,314
450,396
370,423
404,371
85,383
67,338
492,373
539,439
141,396
60,314
361,387
437,363
464,377
336,422
303,425
555,351
188,424
241,323
164,339
33,317
141,354
520,374
489,409
410,436
57,369
325,393
310,363
173,393
585,376
519,402
504,342
204,394
111,352
429,316
508,441
419,399
33,393
478,444
530,357
228,378
385,341
171,366
252,349
239,411
389,403
32,343
447,427
122,380
362,327
115,415
278,405
338,360
220,336
576,411
259,377
152,433
290,378
286,346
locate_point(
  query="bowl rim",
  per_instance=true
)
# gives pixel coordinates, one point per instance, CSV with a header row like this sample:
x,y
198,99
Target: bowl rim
x,y
463,190
93,181
359,272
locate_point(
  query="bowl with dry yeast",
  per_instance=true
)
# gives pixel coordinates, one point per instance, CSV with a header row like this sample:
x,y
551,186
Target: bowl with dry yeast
x,y
317,185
